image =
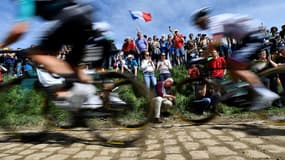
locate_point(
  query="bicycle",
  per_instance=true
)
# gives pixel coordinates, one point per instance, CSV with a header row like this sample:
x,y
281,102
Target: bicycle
x,y
231,93
112,123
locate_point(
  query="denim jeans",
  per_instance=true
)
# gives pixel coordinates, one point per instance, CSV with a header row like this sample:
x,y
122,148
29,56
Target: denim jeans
x,y
19,69
149,79
164,76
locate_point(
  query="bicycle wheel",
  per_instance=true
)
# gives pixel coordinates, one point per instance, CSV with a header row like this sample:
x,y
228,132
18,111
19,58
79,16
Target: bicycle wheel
x,y
127,108
186,91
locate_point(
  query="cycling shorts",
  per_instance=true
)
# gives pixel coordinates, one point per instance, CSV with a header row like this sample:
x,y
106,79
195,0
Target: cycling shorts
x,y
247,49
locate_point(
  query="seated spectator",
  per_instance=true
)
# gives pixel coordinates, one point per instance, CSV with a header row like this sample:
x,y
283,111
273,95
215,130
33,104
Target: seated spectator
x,y
205,98
193,71
131,65
217,66
164,99
164,66
120,64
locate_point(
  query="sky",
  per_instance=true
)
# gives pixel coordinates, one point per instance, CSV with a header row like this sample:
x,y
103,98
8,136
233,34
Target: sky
x,y
174,13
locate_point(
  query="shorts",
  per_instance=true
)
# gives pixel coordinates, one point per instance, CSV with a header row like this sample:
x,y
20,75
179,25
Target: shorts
x,y
246,51
179,52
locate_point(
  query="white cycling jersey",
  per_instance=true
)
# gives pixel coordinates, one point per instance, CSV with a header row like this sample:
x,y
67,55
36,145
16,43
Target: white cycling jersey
x,y
233,25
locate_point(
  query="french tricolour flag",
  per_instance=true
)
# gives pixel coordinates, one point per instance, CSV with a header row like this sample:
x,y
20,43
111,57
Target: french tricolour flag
x,y
140,15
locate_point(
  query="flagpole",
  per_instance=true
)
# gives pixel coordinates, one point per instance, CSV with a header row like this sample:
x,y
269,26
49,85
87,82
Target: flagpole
x,y
136,24
138,27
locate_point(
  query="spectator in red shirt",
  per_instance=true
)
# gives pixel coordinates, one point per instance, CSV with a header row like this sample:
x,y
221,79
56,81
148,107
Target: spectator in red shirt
x,y
129,47
217,65
193,71
178,40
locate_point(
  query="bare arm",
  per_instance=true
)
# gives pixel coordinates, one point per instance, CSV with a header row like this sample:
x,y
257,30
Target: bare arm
x,y
216,41
15,33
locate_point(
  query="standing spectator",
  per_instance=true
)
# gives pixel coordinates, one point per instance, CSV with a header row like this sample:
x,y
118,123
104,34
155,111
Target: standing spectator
x,y
171,49
191,48
217,65
129,47
280,43
10,62
282,32
150,42
197,39
203,44
178,40
165,98
132,65
164,67
148,69
142,46
156,49
163,44
274,31
225,48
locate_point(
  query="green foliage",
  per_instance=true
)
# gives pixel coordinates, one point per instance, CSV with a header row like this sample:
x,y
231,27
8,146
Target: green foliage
x,y
20,107
179,73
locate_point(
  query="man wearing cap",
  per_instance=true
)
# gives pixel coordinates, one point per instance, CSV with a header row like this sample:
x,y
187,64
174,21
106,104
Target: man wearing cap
x,y
164,99
178,40
131,65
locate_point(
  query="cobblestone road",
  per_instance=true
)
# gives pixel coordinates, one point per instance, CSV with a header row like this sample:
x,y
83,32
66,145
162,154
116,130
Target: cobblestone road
x,y
179,141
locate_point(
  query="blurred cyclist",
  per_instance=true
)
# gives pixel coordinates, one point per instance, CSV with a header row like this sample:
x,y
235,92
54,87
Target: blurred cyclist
x,y
242,29
71,21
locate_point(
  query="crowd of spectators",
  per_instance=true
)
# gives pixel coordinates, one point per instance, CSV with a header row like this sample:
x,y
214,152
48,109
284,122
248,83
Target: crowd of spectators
x,y
14,64
175,49
155,56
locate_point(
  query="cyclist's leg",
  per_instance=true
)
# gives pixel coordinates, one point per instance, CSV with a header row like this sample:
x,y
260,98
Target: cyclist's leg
x,y
67,30
239,62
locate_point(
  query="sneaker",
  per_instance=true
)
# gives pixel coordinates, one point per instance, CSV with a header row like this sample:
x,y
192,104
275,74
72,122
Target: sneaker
x,y
71,103
114,99
92,102
264,100
278,103
157,120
